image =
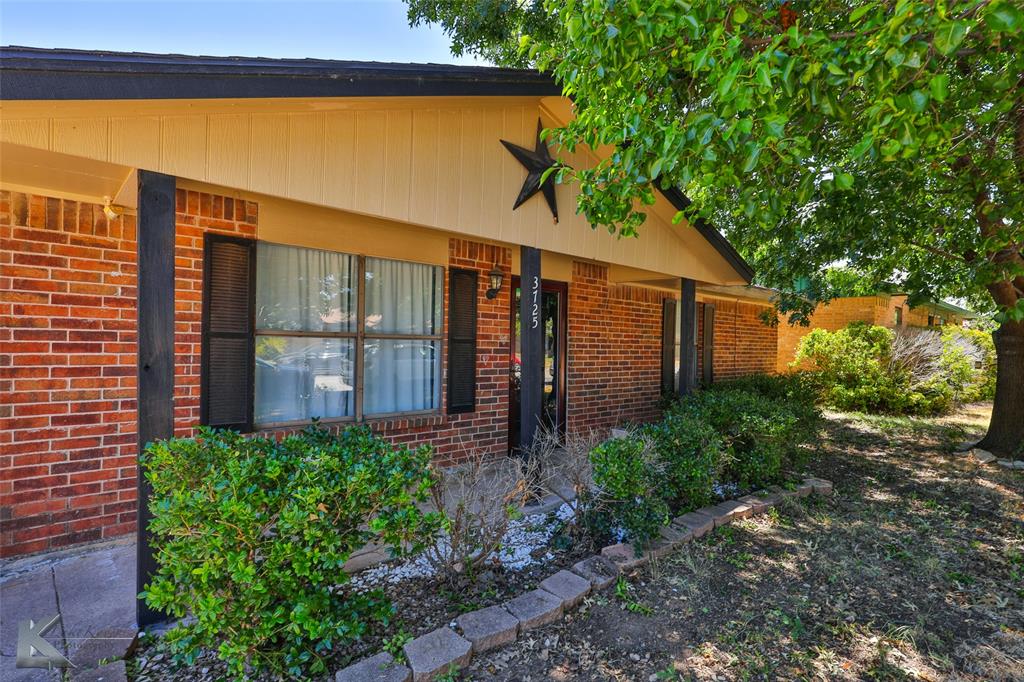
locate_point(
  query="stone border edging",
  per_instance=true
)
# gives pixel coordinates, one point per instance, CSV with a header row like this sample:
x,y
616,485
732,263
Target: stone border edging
x,y
443,649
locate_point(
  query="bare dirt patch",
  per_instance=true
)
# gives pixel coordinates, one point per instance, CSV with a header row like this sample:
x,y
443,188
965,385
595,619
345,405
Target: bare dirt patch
x,y
913,569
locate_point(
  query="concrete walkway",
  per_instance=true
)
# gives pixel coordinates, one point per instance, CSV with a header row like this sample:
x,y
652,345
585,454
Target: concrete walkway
x,y
93,591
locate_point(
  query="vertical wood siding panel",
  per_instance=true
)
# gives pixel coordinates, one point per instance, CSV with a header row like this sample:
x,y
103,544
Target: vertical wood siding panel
x,y
493,191
511,123
370,143
305,161
183,143
135,141
471,217
80,137
425,169
449,155
398,163
229,150
28,132
339,158
268,165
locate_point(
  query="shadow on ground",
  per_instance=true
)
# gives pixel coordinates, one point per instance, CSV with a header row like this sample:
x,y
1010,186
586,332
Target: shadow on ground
x,y
914,569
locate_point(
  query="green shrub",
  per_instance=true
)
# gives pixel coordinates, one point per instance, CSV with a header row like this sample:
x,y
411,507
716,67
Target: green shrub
x,y
251,534
629,490
761,435
916,371
977,347
795,387
689,452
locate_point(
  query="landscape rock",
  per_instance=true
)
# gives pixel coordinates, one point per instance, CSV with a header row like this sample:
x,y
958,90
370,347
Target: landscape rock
x,y
1011,464
697,522
757,505
820,485
804,489
966,446
490,627
568,587
379,668
983,456
535,608
435,653
598,570
624,556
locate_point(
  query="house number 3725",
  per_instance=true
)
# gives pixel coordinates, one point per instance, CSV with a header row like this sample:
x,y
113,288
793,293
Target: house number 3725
x,y
535,310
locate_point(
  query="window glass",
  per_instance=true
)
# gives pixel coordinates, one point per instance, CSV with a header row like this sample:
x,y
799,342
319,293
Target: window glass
x,y
308,335
403,298
301,289
298,378
401,375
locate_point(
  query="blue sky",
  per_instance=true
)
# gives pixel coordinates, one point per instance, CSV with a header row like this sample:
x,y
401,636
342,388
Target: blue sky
x,y
374,30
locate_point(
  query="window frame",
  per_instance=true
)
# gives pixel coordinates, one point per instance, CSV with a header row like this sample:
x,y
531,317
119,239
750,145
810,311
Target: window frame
x,y
358,337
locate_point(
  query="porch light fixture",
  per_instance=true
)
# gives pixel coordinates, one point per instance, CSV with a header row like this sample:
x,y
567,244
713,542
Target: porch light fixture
x,y
496,277
109,210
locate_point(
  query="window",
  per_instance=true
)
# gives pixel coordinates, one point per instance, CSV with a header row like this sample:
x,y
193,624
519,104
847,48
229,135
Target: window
x,y
899,317
340,336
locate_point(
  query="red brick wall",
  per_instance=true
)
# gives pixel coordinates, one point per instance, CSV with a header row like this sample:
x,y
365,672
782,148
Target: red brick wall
x,y
196,214
68,278
67,387
614,358
743,344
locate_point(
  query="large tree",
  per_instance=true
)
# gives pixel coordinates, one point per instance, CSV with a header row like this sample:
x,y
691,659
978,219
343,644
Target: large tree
x,y
887,136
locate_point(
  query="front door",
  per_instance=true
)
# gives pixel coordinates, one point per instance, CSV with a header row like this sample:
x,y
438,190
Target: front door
x,y
553,319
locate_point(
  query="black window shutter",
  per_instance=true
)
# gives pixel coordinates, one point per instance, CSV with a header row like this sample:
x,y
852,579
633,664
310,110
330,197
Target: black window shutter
x,y
709,344
462,340
228,352
668,343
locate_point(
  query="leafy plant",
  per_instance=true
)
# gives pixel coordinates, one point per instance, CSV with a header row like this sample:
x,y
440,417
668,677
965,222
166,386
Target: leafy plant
x,y
761,436
623,594
689,451
628,479
250,535
395,643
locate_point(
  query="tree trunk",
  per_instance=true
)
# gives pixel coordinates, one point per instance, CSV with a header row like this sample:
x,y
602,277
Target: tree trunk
x,y
1005,435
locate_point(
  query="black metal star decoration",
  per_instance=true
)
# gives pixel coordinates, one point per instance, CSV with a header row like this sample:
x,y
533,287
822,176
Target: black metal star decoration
x,y
536,162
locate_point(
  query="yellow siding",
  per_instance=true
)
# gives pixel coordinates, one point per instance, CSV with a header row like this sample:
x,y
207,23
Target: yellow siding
x,y
438,164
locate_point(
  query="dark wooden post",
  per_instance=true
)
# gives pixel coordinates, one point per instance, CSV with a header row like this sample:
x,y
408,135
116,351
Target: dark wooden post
x,y
531,341
687,336
155,356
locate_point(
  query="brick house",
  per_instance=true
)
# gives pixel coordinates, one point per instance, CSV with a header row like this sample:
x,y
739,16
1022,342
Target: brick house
x,y
249,243
883,309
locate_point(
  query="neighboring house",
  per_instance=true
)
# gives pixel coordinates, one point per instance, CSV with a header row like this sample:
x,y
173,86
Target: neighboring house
x,y
250,243
883,309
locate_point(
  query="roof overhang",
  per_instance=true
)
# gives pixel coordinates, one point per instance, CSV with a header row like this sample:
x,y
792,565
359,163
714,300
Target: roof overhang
x,y
42,74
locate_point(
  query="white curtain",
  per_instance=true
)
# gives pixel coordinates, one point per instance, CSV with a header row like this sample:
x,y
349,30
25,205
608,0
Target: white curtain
x,y
402,298
304,289
402,375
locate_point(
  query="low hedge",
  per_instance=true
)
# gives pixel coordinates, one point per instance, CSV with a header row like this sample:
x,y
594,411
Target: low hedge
x,y
747,433
250,536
